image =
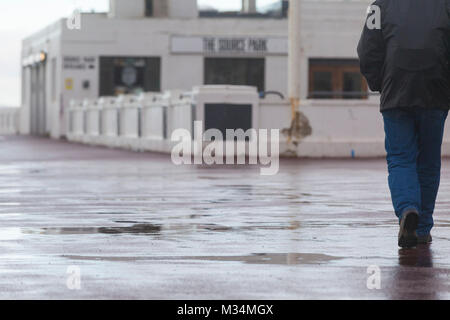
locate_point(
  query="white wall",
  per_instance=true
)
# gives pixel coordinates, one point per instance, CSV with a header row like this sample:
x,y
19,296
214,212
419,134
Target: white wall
x,y
178,72
126,9
183,9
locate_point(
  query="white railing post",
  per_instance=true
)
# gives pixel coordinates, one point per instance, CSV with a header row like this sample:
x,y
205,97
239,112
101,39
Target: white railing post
x,y
9,121
129,121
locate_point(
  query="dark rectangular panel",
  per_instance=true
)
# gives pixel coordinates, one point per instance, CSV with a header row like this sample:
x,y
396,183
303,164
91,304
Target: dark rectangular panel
x,y
228,116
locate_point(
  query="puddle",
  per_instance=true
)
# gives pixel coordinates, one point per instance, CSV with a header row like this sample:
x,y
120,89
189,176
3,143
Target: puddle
x,y
146,228
294,225
210,178
134,229
36,171
129,222
114,213
257,258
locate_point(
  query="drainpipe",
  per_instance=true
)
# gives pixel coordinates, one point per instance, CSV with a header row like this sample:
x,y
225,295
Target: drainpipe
x,y
295,53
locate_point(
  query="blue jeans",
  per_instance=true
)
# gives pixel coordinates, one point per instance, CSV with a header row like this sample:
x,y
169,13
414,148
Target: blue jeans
x,y
413,146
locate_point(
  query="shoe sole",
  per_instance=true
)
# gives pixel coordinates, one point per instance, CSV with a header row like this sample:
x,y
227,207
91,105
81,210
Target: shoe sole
x,y
407,236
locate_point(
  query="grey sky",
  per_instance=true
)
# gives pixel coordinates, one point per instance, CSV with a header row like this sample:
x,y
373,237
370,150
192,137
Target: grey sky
x,y
20,18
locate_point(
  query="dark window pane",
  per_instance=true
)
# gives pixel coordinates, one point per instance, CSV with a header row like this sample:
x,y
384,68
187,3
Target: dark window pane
x,y
148,8
336,79
352,85
235,71
124,75
228,116
322,85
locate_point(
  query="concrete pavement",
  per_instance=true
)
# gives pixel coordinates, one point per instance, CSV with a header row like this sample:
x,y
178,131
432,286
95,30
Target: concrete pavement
x,y
137,227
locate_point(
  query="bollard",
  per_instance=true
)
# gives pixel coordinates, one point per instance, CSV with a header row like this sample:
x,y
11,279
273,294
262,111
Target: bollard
x,y
153,113
110,122
92,121
129,121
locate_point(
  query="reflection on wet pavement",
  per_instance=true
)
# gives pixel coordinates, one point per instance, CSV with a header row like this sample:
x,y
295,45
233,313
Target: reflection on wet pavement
x,y
140,228
416,276
422,256
257,258
135,229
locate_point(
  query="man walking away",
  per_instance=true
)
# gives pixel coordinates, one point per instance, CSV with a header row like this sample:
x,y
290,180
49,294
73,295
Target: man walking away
x,y
405,56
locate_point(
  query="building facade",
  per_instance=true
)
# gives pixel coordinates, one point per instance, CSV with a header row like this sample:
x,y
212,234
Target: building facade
x,y
159,45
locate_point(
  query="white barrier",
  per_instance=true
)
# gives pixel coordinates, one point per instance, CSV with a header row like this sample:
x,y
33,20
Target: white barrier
x,y
160,116
142,122
128,121
146,122
92,118
9,120
75,121
153,117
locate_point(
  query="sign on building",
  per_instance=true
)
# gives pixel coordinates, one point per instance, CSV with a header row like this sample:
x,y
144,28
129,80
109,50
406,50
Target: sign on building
x,y
79,62
245,45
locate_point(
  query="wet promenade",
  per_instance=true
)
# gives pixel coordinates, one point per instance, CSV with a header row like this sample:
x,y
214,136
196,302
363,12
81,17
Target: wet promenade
x,y
137,227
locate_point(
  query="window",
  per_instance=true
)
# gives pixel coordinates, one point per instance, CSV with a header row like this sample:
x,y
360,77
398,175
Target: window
x,y
235,71
336,79
149,8
124,75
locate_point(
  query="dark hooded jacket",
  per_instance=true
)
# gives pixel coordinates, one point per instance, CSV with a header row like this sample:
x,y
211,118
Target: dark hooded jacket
x,y
407,59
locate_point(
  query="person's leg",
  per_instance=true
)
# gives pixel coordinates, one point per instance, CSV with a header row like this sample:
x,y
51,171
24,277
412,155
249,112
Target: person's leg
x,y
431,130
401,147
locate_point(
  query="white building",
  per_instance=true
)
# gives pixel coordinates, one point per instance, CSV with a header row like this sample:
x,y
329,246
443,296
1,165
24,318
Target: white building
x,y
158,45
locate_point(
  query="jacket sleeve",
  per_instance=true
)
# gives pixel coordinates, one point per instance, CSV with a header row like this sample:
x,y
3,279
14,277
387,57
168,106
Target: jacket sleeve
x,y
372,52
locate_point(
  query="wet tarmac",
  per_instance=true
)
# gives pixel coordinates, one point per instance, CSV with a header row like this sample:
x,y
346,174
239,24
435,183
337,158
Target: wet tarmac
x,y
137,227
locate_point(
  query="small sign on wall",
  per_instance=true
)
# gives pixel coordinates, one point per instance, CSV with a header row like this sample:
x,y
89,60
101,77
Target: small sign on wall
x,y
69,83
79,62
